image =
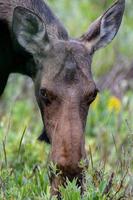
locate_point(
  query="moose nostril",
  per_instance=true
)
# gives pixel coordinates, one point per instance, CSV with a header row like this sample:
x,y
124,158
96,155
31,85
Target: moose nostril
x,y
61,163
65,164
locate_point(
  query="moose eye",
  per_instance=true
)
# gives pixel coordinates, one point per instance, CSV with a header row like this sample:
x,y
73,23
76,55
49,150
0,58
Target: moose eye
x,y
45,96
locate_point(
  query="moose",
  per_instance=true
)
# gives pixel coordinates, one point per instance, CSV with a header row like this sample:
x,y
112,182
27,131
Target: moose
x,y
33,42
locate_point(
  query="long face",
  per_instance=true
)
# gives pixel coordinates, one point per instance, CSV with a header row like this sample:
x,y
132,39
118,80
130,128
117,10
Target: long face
x,y
65,90
63,82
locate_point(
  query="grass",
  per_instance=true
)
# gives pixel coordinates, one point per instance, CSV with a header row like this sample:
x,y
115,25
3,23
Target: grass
x,y
109,129
23,160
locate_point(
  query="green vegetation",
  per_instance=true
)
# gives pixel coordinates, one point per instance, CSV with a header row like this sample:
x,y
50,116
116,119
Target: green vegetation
x,y
109,129
109,144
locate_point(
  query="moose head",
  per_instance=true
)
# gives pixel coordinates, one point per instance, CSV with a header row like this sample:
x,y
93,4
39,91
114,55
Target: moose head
x,y
64,85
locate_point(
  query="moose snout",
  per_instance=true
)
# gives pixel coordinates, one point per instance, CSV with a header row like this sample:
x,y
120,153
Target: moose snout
x,y
68,141
69,165
68,152
67,146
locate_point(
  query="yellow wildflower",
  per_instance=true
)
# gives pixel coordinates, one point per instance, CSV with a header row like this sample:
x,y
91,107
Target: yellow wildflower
x,y
114,104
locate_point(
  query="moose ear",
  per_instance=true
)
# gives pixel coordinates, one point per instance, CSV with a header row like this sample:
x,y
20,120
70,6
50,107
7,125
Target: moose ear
x,y
28,28
103,30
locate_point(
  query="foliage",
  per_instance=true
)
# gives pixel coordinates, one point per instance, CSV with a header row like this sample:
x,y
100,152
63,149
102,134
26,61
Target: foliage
x,y
109,135
23,160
